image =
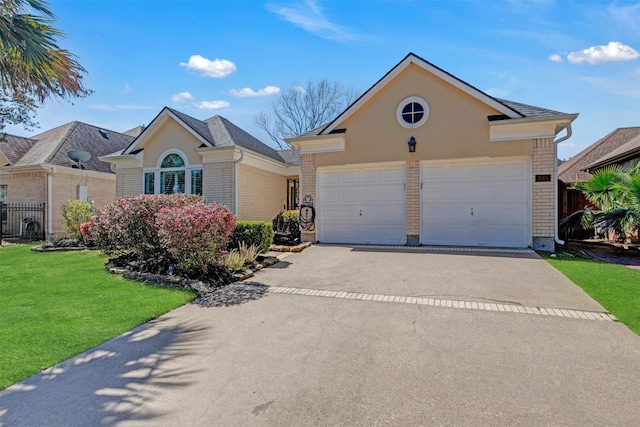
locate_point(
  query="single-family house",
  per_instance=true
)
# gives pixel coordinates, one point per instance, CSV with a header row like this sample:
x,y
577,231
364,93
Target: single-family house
x,y
177,153
38,169
423,157
620,147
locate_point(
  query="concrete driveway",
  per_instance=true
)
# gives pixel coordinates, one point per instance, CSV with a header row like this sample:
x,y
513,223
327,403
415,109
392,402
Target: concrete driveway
x,y
292,359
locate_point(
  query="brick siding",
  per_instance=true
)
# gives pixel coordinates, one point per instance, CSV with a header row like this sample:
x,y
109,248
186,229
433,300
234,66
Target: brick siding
x,y
129,182
261,194
218,183
308,187
544,156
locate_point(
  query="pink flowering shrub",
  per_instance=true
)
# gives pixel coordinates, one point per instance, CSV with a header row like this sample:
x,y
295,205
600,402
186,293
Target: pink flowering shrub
x,y
128,224
153,232
195,235
85,231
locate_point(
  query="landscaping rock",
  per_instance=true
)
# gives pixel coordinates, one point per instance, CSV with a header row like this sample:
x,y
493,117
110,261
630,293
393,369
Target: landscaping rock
x,y
234,294
285,248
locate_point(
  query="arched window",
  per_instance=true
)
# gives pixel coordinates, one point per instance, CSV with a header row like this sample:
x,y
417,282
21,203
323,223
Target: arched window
x,y
173,176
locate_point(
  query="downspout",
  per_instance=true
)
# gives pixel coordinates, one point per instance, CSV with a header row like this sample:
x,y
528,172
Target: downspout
x,y
556,237
235,183
50,200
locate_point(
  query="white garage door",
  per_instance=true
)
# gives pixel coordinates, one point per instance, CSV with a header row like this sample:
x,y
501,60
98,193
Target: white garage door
x,y
362,205
482,204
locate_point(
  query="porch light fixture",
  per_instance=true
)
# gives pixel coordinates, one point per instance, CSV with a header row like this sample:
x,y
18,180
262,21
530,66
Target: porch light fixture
x,y
412,145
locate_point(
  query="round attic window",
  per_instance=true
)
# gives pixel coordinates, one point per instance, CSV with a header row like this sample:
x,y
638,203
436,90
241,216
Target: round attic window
x,y
412,112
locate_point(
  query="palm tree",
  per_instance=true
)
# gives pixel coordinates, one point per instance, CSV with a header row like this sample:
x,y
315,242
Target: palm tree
x,y
617,195
32,66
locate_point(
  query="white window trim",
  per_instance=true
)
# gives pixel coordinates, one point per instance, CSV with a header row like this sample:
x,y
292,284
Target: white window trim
x,y
409,100
158,169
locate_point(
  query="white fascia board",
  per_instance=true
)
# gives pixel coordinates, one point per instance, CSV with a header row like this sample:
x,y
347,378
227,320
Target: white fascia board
x,y
319,144
264,163
218,154
459,84
45,167
123,161
246,157
149,131
528,128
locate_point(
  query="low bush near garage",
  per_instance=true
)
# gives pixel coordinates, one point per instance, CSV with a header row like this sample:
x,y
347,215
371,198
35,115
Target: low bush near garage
x,y
258,233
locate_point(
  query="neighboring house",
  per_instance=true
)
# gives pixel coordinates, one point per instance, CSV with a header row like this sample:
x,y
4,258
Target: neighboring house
x,y
620,147
38,169
177,153
482,170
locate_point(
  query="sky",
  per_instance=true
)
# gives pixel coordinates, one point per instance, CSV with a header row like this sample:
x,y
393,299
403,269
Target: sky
x,y
233,58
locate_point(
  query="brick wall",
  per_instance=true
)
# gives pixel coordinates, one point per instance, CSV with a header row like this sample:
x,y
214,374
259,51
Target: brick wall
x,y
544,156
261,194
308,187
129,182
413,203
65,188
218,183
30,187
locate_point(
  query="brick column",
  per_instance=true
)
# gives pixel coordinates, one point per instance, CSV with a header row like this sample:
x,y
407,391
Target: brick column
x,y
308,188
129,182
412,207
544,156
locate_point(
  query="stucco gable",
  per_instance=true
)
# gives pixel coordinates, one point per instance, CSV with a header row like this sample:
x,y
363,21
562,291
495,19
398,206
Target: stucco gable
x,y
414,60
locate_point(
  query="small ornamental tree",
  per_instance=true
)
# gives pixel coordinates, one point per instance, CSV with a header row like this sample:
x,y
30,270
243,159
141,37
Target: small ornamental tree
x,y
195,235
74,214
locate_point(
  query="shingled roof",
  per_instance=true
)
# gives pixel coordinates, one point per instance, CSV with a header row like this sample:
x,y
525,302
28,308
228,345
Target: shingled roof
x,y
52,147
573,170
15,147
220,132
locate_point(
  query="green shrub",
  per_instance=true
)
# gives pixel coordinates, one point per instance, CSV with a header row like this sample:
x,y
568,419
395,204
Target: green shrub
x,y
74,214
259,233
288,222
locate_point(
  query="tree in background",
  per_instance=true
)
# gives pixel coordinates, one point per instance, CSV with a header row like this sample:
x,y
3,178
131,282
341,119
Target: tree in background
x,y
300,109
32,66
616,194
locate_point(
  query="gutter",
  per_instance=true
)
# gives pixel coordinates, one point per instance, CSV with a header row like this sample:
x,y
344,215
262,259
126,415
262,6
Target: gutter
x,y
235,183
556,238
50,200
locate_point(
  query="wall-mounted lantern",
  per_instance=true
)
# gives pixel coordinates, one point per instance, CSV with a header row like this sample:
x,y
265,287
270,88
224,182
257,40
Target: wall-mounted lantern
x,y
412,145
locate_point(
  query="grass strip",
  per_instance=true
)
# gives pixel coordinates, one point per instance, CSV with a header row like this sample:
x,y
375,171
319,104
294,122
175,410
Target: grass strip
x,y
615,287
56,305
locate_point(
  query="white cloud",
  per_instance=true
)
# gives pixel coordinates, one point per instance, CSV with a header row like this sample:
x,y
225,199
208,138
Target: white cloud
x,y
248,92
212,105
556,58
308,16
182,97
218,68
127,89
614,51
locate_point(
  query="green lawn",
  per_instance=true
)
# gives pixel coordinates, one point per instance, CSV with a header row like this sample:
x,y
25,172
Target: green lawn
x,y
615,287
58,304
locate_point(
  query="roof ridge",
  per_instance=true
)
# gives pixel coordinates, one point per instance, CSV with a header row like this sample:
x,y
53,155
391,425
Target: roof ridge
x,y
60,143
587,150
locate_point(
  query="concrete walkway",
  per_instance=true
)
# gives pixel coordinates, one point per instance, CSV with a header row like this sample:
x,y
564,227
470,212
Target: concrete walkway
x,y
295,359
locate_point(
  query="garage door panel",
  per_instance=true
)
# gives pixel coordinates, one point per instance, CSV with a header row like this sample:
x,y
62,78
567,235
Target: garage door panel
x,y
362,205
483,204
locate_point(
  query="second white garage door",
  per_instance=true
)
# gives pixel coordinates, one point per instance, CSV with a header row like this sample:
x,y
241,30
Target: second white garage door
x,y
481,204
362,205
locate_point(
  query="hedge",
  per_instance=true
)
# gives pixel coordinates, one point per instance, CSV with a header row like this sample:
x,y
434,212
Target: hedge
x,y
259,233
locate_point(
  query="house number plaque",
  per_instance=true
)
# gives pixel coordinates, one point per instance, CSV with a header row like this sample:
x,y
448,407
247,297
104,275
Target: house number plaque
x,y
543,178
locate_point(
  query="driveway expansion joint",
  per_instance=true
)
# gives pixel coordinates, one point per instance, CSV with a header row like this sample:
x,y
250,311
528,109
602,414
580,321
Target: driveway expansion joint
x,y
456,304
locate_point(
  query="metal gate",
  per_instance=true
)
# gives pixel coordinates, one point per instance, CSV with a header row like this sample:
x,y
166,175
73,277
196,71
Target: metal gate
x,y
25,221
